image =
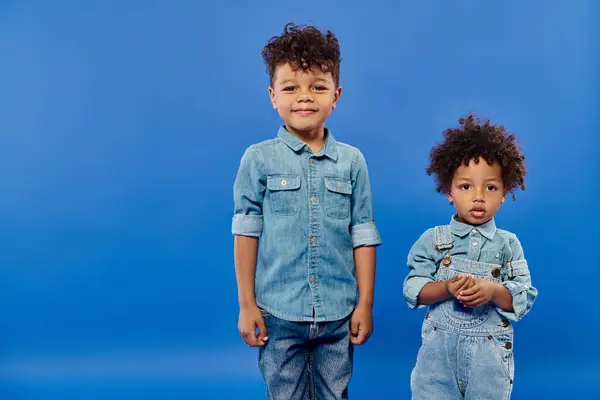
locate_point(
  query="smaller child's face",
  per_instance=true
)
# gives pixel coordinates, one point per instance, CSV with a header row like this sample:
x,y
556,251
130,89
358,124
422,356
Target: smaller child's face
x,y
477,191
304,99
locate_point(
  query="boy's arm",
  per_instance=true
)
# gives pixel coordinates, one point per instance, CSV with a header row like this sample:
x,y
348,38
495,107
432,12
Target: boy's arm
x,y
420,285
513,298
247,225
365,260
245,249
516,297
365,239
433,292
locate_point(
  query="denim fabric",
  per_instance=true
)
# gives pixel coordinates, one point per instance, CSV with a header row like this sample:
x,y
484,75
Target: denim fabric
x,y
484,244
467,353
462,366
310,211
306,360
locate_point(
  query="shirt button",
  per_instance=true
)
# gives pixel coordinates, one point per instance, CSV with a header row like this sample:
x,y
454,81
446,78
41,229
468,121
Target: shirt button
x,y
312,279
339,186
497,255
508,345
311,160
496,272
283,182
306,147
313,240
474,244
313,200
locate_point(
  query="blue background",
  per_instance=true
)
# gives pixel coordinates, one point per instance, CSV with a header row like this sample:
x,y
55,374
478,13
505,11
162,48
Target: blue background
x,y
121,129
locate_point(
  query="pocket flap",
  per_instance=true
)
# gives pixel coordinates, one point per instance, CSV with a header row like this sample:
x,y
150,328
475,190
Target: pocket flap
x,y
283,182
338,185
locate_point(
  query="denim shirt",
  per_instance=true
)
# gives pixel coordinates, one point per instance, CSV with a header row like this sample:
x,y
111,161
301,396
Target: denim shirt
x,y
483,243
310,211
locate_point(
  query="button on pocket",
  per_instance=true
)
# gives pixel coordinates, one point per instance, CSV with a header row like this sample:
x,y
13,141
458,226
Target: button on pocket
x,y
284,194
337,197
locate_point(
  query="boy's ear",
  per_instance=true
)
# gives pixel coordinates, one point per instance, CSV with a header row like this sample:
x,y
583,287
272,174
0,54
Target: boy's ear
x,y
336,96
450,201
272,96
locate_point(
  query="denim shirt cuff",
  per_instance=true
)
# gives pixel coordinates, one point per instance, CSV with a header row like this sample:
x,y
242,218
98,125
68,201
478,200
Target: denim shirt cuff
x,y
365,235
412,289
247,225
518,291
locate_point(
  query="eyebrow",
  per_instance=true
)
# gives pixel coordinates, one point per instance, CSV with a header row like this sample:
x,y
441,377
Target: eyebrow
x,y
489,179
293,81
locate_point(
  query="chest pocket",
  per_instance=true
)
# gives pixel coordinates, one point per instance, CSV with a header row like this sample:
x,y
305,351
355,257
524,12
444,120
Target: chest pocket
x,y
337,197
284,194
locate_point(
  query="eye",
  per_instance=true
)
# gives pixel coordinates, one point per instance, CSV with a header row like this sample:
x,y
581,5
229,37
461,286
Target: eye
x,y
492,188
464,186
319,88
288,89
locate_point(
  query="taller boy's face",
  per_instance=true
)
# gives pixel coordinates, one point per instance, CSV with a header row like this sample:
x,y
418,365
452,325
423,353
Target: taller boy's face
x,y
477,191
304,99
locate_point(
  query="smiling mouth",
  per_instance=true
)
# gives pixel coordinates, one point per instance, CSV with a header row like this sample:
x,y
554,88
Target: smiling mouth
x,y
305,112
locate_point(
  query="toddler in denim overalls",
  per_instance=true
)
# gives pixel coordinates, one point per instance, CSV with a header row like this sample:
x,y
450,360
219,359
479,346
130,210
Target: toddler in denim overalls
x,y
472,275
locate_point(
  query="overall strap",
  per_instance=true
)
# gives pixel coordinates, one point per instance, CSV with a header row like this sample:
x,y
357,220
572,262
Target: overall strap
x,y
443,238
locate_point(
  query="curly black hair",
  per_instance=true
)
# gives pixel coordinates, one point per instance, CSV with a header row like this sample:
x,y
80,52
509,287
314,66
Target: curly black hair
x,y
477,137
303,47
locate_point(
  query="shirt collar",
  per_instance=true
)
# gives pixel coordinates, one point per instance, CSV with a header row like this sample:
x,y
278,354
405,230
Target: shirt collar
x,y
488,230
329,149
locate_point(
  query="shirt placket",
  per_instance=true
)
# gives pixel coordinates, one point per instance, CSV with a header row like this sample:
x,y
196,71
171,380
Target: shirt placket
x,y
475,242
314,229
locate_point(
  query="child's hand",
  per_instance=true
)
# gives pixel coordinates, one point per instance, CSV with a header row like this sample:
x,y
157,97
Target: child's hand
x,y
250,319
459,283
361,325
479,294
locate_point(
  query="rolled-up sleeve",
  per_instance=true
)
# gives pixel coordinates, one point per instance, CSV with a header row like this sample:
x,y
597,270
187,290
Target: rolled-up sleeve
x,y
248,194
520,287
423,261
362,225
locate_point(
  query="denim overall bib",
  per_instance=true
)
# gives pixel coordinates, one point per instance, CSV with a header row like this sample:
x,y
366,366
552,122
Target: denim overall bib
x,y
466,353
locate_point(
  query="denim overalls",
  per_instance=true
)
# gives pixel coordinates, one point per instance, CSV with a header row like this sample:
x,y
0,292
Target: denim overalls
x,y
465,352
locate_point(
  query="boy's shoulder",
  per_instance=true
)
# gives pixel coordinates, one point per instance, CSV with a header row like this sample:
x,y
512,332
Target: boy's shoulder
x,y
350,153
264,144
428,235
510,236
342,146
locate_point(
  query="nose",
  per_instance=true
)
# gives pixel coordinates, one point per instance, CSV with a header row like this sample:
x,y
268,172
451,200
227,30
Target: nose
x,y
305,96
478,196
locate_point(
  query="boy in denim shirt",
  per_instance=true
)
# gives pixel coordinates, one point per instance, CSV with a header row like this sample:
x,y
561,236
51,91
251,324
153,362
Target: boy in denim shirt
x,y
472,275
308,198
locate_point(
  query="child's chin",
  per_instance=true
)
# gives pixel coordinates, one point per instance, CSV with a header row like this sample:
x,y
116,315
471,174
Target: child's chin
x,y
304,127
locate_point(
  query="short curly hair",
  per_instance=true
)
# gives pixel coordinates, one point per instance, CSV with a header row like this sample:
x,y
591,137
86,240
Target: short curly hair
x,y
475,138
303,47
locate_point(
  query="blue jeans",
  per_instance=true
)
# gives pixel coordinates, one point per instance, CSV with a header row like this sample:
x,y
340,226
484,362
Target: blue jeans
x,y
306,360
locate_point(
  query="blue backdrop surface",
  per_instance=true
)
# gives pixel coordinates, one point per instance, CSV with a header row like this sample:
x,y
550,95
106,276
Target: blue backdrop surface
x,y
121,129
